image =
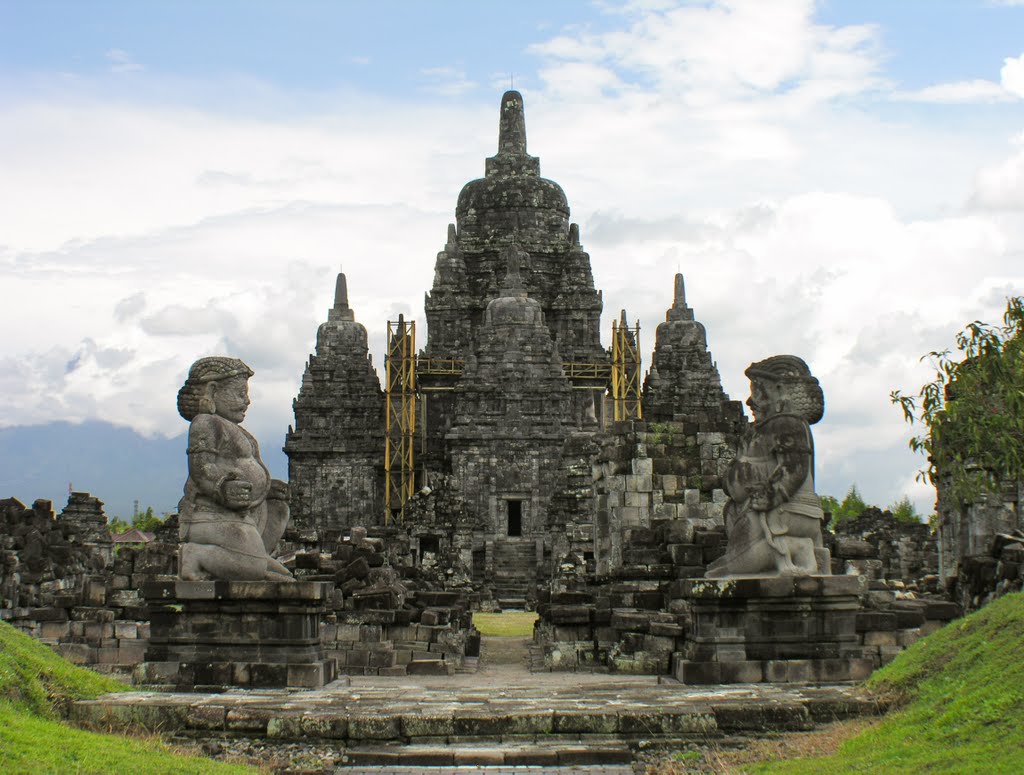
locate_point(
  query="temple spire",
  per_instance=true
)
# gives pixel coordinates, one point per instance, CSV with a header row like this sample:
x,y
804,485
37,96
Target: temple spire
x,y
512,127
679,310
341,310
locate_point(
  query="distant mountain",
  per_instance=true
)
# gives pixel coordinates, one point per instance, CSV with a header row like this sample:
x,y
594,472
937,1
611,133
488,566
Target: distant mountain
x,y
115,464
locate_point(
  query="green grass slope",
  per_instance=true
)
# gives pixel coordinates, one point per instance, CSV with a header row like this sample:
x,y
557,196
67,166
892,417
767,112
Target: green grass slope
x,y
960,693
35,679
36,687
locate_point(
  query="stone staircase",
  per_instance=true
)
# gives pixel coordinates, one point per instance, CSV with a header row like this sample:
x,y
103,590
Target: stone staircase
x,y
552,756
515,573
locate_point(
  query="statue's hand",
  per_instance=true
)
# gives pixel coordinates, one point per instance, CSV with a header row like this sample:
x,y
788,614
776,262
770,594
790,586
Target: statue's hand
x,y
759,497
237,493
278,490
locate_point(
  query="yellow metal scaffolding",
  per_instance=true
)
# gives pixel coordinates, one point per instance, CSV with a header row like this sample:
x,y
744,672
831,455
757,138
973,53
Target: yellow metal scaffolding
x,y
626,370
400,420
439,366
402,368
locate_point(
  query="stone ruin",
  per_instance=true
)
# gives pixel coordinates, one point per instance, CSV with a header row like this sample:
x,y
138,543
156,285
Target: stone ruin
x,y
528,485
62,582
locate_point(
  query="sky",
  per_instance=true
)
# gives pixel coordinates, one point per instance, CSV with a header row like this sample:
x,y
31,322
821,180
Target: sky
x,y
842,180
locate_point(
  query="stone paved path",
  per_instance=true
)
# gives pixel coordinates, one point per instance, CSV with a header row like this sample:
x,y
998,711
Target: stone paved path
x,y
567,722
595,769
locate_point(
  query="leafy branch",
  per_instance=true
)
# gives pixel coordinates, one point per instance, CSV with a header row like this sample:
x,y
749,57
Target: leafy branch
x,y
973,410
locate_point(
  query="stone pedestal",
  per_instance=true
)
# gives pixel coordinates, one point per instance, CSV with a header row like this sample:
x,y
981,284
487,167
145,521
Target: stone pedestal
x,y
774,630
211,635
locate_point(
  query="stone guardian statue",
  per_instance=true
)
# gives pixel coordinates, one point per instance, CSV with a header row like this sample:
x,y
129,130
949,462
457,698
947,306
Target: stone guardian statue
x,y
773,518
232,514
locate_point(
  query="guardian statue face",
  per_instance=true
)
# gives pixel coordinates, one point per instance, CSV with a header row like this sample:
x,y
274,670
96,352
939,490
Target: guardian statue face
x,y
230,398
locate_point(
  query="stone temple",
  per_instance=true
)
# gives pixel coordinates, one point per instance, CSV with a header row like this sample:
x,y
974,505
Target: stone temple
x,y
507,443
510,459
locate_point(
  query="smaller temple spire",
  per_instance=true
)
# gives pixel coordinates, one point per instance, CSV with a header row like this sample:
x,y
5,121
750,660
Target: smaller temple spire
x,y
341,310
679,310
512,285
512,127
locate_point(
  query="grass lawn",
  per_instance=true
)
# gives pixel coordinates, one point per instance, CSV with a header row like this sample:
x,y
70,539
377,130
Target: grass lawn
x,y
517,624
36,686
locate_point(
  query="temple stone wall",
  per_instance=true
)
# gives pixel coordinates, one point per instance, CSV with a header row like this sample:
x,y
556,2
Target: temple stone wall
x,y
968,530
403,594
876,545
649,473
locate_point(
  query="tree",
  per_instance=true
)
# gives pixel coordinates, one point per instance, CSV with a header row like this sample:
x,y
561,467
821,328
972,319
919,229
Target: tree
x,y
973,410
851,507
146,521
904,511
118,525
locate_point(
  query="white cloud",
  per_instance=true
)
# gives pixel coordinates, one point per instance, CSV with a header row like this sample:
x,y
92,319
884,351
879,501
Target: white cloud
x,y
122,62
723,51
1012,75
1000,186
1009,88
448,81
978,90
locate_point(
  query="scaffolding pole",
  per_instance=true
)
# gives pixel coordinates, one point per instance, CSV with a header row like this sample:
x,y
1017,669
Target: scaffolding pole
x,y
400,420
626,370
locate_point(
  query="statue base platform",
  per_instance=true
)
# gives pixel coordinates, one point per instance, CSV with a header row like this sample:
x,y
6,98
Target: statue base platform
x,y
774,630
213,635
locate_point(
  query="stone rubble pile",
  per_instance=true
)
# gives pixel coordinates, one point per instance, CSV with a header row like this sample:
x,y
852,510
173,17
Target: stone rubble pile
x,y
62,583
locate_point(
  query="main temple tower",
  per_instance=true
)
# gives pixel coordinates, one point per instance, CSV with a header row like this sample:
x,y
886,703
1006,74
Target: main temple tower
x,y
491,444
511,207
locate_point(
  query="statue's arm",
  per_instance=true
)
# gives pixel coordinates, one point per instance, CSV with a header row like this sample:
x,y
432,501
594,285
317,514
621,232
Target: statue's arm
x,y
792,450
210,469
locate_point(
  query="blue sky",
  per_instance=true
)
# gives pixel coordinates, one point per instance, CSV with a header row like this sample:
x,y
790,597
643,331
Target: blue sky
x,y
384,46
839,180
381,46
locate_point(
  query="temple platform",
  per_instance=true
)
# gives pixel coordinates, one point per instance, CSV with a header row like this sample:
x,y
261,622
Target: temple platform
x,y
776,630
214,635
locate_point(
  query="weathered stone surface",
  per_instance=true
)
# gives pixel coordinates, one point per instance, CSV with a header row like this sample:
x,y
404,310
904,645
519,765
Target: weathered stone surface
x,y
529,713
237,633
774,517
776,629
232,514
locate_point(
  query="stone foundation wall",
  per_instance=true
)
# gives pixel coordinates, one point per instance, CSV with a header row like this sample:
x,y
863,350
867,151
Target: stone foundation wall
x,y
643,626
